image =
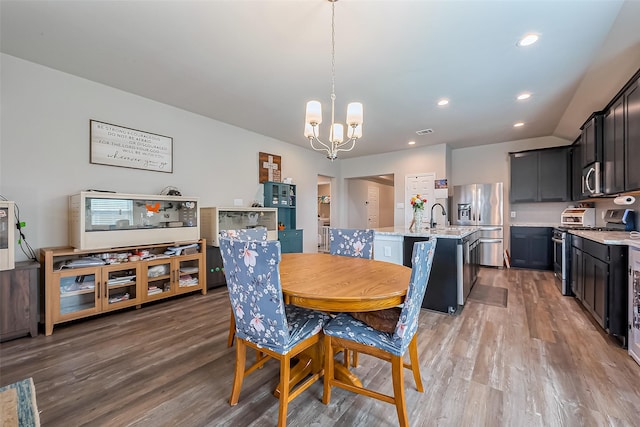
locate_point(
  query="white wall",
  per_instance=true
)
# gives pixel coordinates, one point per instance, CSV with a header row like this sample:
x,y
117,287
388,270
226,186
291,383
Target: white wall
x,y
45,151
399,163
358,191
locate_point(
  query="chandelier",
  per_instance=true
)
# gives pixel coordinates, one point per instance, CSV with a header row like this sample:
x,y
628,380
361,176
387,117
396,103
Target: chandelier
x,y
313,117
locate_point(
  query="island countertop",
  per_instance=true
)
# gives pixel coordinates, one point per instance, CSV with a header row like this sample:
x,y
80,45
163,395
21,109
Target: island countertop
x,y
452,232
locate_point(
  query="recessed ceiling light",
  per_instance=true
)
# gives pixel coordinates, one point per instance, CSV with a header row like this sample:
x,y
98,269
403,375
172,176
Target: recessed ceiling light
x,y
528,40
443,101
519,124
412,143
523,96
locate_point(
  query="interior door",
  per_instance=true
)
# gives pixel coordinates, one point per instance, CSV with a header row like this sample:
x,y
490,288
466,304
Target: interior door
x,y
373,207
422,184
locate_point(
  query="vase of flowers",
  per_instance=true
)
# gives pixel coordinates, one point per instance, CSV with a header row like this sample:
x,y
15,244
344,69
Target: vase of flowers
x,y
417,202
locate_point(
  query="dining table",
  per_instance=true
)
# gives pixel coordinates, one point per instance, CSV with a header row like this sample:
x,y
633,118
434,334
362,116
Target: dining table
x,y
333,284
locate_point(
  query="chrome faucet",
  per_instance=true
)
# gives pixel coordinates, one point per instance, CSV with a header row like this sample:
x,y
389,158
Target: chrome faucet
x,y
432,224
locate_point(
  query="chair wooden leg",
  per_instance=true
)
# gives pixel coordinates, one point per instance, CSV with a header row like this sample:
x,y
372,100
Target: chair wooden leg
x,y
285,371
328,370
397,372
355,359
232,329
415,364
347,359
241,355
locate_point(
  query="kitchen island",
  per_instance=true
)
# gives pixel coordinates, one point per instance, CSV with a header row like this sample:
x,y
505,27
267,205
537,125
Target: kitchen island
x,y
455,263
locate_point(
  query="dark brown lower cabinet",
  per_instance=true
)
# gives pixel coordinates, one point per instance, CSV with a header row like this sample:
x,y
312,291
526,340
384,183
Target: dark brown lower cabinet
x,y
599,281
19,300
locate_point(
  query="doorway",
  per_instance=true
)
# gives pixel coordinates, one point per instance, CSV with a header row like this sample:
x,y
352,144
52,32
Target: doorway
x,y
370,201
324,212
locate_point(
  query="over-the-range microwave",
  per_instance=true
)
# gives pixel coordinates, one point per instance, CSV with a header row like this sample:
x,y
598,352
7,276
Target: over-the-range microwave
x,y
591,180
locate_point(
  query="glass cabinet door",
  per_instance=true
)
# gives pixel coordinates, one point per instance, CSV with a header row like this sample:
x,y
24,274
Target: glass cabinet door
x,y
120,285
77,291
160,280
189,272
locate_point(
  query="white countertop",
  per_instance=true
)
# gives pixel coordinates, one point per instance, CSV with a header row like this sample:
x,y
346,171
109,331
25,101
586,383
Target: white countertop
x,y
453,232
605,237
534,224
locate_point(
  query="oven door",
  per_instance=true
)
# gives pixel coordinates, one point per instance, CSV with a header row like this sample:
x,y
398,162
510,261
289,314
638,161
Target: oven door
x,y
558,256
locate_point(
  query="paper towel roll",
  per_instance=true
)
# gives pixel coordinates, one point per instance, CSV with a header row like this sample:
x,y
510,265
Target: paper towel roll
x,y
624,200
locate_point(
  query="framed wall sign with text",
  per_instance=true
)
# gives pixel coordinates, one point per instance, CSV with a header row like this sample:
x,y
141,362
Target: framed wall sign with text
x,y
129,148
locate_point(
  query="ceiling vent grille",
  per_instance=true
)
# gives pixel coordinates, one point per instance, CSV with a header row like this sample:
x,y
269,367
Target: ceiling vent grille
x,y
424,131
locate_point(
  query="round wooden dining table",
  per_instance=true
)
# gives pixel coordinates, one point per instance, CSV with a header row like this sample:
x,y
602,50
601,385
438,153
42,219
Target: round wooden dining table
x,y
334,284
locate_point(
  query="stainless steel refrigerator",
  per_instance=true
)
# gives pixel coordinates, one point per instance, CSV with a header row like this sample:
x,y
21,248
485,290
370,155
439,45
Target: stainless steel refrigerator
x,y
481,205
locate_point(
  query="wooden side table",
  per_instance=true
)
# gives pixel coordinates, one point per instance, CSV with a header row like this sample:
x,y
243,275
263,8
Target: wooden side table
x,y
19,300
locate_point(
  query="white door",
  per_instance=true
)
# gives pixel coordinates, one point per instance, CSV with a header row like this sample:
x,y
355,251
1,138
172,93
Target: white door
x,y
422,184
373,207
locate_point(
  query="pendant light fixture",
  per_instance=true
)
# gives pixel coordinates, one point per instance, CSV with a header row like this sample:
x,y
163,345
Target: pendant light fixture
x,y
313,116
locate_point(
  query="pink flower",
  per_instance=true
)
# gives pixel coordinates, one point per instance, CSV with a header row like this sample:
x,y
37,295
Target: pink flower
x,y
249,257
358,248
256,323
239,312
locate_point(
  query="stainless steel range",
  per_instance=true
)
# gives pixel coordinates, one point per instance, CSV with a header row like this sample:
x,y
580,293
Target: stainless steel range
x,y
561,256
571,219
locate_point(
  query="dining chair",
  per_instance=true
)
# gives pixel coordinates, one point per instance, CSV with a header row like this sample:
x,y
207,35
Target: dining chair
x,y
343,331
263,321
258,233
356,243
351,242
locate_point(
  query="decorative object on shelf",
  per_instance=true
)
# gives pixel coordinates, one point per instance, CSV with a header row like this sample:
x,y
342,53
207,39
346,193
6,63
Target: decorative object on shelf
x,y
270,167
417,202
113,145
336,131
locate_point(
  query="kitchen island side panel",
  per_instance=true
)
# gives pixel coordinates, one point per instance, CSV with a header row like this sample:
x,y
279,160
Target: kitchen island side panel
x,y
442,289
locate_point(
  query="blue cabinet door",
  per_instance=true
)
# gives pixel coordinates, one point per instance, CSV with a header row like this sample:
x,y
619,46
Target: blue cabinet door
x,y
290,241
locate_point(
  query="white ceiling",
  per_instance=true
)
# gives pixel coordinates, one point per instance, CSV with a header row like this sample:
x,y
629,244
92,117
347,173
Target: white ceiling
x,y
255,64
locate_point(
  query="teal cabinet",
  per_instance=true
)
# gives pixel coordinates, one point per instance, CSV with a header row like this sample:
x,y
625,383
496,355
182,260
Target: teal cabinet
x,y
290,241
283,196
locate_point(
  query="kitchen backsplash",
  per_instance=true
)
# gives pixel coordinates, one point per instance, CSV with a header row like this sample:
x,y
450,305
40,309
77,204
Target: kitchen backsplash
x,y
549,213
536,213
605,204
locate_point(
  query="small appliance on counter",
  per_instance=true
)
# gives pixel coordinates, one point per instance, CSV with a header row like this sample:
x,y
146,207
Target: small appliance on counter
x,y
620,219
578,217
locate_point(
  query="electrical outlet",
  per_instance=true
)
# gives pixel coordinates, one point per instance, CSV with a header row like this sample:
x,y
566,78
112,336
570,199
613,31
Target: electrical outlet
x,y
513,214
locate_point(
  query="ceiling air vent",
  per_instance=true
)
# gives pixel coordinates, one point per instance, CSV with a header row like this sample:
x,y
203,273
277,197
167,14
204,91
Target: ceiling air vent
x,y
424,131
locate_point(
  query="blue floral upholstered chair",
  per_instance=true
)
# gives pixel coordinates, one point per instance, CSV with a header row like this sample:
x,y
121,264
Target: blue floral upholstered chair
x,y
258,233
351,242
263,321
344,331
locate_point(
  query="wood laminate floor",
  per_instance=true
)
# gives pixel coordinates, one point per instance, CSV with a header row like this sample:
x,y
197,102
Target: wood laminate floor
x,y
539,361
